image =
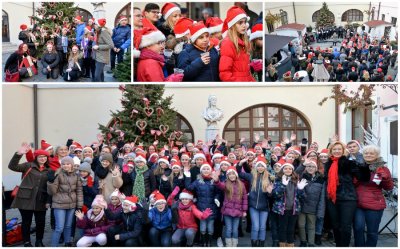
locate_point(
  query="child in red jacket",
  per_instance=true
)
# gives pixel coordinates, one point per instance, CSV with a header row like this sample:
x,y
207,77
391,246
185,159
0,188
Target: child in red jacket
x,y
234,64
185,214
95,224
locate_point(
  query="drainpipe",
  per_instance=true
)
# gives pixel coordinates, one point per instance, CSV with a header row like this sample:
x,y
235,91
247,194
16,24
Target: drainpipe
x,y
35,116
379,10
294,11
369,16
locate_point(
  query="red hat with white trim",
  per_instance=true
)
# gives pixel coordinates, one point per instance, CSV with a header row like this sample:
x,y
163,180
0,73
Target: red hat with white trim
x,y
231,153
77,145
278,146
185,155
175,149
196,30
256,31
287,164
199,155
257,145
168,9
78,18
153,194
140,158
251,151
234,14
324,152
217,155
40,153
101,22
232,169
121,18
174,159
151,36
176,164
214,24
45,146
280,162
311,162
23,26
159,199
88,28
182,27
310,151
131,201
186,194
224,160
261,160
163,159
205,165
295,149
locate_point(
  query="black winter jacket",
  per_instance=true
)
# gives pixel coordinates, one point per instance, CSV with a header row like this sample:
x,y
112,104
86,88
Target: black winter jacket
x,y
314,201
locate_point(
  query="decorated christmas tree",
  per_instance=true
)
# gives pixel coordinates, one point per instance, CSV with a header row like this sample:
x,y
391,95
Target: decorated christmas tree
x,y
325,17
123,70
146,116
50,18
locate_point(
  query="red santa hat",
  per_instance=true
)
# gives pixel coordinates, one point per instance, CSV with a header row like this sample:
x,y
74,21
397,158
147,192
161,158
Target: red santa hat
x,y
77,146
199,155
88,28
205,165
186,155
261,161
256,31
295,149
140,158
186,194
251,151
153,157
150,36
176,164
231,153
312,162
99,202
174,159
159,199
23,27
217,155
232,169
78,18
182,27
214,24
118,194
163,159
175,149
310,151
40,153
257,145
234,14
121,18
139,149
355,141
45,146
287,164
196,30
324,152
224,160
280,162
168,9
131,201
101,22
153,194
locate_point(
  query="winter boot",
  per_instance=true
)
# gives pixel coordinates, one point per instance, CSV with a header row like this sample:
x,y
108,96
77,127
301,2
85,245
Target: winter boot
x,y
303,243
202,240
290,245
208,240
318,239
261,243
28,244
39,243
228,242
275,243
282,244
220,243
235,242
253,243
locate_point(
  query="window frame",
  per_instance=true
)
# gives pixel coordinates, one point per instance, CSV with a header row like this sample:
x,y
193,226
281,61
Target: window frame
x,y
352,15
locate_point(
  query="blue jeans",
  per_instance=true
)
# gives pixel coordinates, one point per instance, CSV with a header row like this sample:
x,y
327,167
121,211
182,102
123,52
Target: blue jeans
x,y
180,234
319,225
258,223
371,218
63,219
160,238
231,226
207,226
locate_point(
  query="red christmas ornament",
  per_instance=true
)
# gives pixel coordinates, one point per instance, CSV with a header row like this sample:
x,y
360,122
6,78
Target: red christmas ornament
x,y
146,101
134,112
122,88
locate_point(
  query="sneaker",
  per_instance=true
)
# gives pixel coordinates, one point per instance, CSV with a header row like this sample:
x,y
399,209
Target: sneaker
x,y
219,242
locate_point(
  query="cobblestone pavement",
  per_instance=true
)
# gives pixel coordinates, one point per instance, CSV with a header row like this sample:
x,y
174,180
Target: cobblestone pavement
x,y
385,240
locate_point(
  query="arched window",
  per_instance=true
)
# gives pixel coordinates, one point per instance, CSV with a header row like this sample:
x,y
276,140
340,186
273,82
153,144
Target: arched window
x,y
184,126
267,120
5,32
316,15
125,11
86,15
284,17
352,15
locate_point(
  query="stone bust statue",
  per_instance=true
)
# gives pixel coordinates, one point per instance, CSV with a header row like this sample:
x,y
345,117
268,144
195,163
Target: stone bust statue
x,y
212,114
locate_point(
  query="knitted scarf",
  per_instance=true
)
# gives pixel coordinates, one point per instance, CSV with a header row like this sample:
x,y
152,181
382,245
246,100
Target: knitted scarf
x,y
139,188
333,179
95,218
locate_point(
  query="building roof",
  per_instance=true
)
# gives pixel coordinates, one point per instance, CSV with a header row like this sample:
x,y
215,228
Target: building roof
x,y
295,26
376,23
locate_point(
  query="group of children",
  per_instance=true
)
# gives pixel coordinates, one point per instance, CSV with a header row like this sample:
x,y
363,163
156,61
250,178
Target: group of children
x,y
126,195
177,48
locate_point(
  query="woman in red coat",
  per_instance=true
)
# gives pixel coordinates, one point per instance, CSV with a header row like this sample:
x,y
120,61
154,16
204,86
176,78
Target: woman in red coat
x,y
234,64
375,176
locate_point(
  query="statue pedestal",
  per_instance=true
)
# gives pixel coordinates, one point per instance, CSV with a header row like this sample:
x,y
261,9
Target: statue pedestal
x,y
211,133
